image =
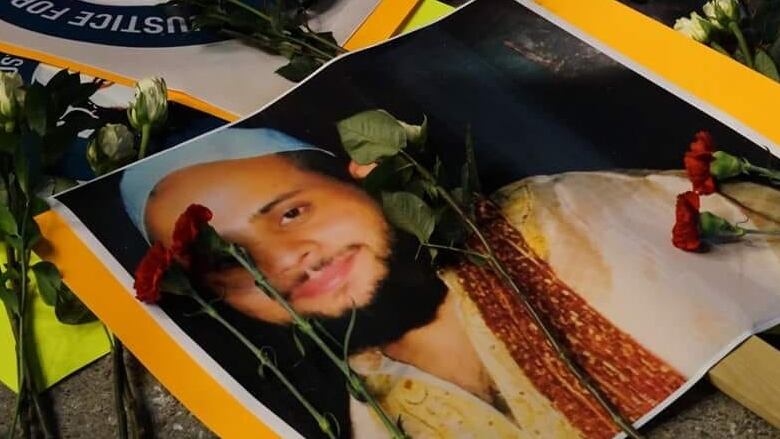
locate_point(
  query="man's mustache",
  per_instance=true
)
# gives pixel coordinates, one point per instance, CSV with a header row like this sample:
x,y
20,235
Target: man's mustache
x,y
303,276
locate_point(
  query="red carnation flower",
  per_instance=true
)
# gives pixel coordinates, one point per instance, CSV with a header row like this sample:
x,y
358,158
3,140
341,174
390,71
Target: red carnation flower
x,y
697,163
685,234
703,143
187,228
150,272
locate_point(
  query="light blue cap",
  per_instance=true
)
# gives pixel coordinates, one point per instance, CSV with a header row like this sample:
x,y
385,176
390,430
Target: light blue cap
x,y
140,179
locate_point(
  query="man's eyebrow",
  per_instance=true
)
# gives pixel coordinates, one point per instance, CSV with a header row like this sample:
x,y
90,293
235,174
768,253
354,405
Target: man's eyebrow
x,y
283,197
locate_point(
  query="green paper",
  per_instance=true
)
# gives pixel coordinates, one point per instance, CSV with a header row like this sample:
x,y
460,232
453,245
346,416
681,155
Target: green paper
x,y
428,12
61,349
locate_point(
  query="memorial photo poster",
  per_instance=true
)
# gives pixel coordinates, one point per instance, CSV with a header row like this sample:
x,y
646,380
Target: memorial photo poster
x,y
582,161
135,39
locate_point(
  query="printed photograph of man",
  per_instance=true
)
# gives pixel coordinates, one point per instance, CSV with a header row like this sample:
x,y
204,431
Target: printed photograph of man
x,y
433,347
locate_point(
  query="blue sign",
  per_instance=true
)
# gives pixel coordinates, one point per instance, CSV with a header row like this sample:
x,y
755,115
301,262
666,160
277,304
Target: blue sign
x,y
114,25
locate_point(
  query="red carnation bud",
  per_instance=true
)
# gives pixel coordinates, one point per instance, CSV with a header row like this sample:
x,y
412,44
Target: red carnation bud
x,y
186,230
697,163
685,234
149,273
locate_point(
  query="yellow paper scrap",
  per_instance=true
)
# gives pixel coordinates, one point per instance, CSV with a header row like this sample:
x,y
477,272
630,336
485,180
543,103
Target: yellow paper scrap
x,y
61,349
427,12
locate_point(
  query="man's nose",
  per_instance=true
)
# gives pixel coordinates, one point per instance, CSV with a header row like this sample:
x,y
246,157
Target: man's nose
x,y
283,257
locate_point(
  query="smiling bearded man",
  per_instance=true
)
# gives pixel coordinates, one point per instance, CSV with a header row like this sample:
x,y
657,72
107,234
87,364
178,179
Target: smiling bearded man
x,y
456,357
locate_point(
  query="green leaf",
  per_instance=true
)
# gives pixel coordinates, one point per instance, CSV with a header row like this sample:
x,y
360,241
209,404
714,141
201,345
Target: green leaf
x,y
22,170
70,310
298,68
433,253
9,299
49,281
7,222
422,188
409,213
36,105
416,135
766,66
371,135
766,20
33,233
175,281
9,142
774,51
298,342
61,79
384,177
75,94
449,227
7,295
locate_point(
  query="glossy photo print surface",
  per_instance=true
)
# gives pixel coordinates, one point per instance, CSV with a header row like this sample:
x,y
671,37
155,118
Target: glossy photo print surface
x,y
374,199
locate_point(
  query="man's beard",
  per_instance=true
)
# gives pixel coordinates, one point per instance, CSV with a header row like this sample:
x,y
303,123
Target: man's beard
x,y
408,297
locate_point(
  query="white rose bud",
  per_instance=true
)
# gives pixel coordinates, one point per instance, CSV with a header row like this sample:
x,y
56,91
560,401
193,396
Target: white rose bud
x,y
696,27
721,12
150,106
11,99
112,147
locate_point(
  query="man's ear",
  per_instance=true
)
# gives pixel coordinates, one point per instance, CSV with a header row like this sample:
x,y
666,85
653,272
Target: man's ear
x,y
359,172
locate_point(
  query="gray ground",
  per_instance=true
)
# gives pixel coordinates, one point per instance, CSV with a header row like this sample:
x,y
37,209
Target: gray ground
x,y
84,406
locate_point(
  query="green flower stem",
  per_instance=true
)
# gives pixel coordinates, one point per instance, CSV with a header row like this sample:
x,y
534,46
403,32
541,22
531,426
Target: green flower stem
x,y
309,34
498,267
456,250
20,377
743,47
43,418
355,382
764,172
118,363
145,134
761,232
136,426
323,57
267,363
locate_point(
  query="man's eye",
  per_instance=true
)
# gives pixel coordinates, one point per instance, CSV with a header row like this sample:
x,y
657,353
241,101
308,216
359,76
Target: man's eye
x,y
291,214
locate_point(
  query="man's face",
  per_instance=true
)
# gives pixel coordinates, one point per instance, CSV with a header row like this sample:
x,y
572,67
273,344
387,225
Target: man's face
x,y
322,243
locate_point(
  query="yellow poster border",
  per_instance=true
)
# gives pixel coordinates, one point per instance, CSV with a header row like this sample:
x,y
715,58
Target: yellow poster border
x,y
381,24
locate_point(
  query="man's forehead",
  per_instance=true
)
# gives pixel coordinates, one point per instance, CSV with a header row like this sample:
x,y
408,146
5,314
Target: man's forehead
x,y
228,173
254,186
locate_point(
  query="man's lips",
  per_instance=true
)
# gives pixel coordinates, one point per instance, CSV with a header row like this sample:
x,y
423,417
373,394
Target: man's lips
x,y
327,278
